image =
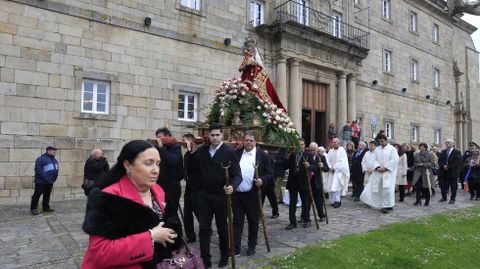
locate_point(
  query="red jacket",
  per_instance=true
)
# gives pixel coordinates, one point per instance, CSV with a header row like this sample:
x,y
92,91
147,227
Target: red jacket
x,y
127,252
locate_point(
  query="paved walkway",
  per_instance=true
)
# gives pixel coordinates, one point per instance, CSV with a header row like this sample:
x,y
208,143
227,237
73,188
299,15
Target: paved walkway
x,y
55,240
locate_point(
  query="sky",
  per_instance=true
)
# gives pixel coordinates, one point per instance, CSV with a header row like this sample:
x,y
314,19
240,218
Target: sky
x,y
475,21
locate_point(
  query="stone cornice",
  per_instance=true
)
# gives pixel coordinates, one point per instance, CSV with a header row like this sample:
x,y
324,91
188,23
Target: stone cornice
x,y
438,7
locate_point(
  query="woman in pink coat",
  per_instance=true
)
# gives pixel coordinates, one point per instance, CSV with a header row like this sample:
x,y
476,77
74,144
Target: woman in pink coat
x,y
129,223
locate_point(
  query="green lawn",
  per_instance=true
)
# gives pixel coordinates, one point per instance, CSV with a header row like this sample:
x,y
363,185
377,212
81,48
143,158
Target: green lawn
x,y
450,241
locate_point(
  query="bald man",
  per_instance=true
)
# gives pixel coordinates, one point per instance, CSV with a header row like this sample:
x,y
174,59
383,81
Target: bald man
x,y
96,166
449,163
319,167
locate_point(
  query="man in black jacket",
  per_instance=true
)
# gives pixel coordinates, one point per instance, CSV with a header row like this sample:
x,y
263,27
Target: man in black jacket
x,y
449,164
245,199
171,165
96,166
357,174
212,198
280,164
297,183
193,185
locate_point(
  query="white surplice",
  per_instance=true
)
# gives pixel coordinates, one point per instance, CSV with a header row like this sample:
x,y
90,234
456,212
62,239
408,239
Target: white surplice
x,y
380,189
337,160
369,163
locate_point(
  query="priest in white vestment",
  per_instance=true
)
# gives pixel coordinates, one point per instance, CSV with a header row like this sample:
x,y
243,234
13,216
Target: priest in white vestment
x,y
380,189
339,173
369,162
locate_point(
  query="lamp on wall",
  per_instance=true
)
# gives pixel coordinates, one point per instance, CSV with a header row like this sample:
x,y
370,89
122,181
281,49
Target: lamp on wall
x,y
375,82
227,41
428,97
448,102
404,90
148,21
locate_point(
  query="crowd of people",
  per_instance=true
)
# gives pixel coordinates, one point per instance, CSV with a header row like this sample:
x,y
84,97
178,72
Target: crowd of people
x,y
132,207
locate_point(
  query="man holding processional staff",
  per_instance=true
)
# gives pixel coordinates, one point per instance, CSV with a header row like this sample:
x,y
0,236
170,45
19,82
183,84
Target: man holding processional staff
x,y
212,199
245,200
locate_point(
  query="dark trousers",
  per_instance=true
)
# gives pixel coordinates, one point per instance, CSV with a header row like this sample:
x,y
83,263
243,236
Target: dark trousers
x,y
210,204
269,192
401,189
357,182
421,190
355,141
447,182
245,204
292,207
174,191
41,189
190,208
474,187
317,197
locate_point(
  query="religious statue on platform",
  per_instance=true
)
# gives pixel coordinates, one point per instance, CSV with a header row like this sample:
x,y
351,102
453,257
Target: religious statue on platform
x,y
254,75
463,6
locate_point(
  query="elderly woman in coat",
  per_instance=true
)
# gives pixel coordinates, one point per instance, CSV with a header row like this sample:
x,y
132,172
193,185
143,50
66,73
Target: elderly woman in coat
x,y
401,172
423,164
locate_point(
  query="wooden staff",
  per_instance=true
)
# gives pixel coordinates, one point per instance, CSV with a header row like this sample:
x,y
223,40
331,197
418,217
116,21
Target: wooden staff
x,y
229,215
260,205
314,207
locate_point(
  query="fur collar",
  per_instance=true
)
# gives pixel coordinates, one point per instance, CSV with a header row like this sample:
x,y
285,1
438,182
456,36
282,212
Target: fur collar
x,y
114,217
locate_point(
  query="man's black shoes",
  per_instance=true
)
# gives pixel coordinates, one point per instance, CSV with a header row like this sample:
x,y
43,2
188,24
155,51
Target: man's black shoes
x,y
291,226
34,212
49,210
223,262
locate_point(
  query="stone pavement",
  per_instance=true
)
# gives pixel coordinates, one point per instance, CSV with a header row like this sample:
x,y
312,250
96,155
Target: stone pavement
x,y
56,240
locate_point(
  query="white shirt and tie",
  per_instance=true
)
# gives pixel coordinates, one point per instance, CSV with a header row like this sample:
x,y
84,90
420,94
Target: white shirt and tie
x,y
212,150
247,163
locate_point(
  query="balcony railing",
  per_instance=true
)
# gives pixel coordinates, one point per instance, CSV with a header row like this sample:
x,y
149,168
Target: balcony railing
x,y
299,12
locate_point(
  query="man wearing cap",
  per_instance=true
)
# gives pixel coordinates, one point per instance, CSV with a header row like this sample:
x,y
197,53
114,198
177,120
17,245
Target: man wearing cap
x,y
46,173
449,163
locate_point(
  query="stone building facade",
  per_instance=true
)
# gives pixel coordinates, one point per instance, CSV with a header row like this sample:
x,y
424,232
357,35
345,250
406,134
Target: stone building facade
x,y
96,73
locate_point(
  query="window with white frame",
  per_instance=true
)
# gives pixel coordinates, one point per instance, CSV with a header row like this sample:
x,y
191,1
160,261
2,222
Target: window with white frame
x,y
389,129
415,134
436,78
413,22
435,33
337,24
302,11
436,136
187,106
193,4
413,70
95,96
387,61
386,8
256,13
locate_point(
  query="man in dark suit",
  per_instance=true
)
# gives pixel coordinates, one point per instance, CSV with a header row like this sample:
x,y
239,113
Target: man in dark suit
x,y
357,174
297,183
192,187
245,199
319,165
268,189
449,163
212,195
171,165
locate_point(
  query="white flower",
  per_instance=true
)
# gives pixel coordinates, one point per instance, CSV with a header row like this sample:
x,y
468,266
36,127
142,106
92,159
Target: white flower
x,y
259,107
234,97
290,124
266,106
242,93
274,122
277,118
264,114
269,120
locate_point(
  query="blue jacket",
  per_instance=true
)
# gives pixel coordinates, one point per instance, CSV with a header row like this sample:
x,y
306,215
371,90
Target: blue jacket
x,y
46,169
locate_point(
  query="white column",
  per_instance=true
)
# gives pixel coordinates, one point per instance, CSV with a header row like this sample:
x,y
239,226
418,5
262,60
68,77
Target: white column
x,y
295,102
342,101
352,97
282,80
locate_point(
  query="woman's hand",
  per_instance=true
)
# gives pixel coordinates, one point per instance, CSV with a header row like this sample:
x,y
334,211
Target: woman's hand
x,y
163,235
